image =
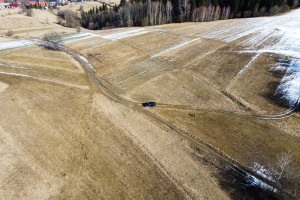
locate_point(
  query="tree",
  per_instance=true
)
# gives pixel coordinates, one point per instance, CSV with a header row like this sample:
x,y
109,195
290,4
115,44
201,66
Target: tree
x,y
52,41
284,172
169,9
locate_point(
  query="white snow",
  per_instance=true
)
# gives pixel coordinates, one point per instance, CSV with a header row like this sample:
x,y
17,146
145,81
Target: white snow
x,y
253,181
78,36
16,44
174,47
290,84
92,67
125,34
84,59
262,171
276,35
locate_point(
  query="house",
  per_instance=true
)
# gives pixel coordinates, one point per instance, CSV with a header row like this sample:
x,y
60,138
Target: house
x,y
4,5
53,2
31,2
13,5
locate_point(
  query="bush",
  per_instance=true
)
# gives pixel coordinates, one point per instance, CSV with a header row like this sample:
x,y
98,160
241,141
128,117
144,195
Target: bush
x,y
29,12
52,41
9,33
81,8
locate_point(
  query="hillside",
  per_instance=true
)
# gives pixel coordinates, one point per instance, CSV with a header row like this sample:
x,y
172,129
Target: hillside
x,y
72,125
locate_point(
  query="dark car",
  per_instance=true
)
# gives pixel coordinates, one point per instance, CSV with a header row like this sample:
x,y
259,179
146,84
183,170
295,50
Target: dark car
x,y
149,104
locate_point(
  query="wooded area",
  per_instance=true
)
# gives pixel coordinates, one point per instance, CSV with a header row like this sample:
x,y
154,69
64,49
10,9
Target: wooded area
x,y
149,13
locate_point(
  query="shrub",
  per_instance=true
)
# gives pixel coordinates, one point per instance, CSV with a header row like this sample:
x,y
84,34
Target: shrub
x,y
81,8
52,41
29,12
9,33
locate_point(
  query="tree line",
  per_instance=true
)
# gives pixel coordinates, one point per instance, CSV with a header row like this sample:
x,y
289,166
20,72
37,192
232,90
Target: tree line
x,y
156,12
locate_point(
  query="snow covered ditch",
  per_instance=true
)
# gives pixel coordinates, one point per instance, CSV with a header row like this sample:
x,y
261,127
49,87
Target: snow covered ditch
x,y
251,180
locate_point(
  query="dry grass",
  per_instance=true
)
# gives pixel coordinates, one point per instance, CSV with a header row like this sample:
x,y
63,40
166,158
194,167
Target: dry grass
x,y
66,141
63,147
257,85
245,139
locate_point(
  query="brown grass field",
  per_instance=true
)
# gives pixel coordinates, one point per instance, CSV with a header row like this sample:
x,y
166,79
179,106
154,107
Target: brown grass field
x,y
61,137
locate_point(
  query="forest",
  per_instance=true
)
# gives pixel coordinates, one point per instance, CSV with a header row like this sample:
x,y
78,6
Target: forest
x,y
156,12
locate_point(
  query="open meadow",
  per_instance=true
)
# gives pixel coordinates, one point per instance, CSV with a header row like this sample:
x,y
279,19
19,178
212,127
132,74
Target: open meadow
x,y
72,125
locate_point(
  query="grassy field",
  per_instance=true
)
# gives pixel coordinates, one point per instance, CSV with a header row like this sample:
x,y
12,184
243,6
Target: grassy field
x,y
61,137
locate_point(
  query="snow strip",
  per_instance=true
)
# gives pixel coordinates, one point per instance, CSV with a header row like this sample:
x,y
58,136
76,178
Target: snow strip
x,y
78,36
16,44
175,47
125,34
251,61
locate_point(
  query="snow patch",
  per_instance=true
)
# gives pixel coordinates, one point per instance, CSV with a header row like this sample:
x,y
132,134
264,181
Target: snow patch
x,y
84,59
289,86
253,181
16,44
262,171
175,47
78,36
125,34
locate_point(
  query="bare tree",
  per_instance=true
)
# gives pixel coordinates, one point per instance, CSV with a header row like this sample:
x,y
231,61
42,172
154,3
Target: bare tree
x,y
186,7
169,9
284,172
52,41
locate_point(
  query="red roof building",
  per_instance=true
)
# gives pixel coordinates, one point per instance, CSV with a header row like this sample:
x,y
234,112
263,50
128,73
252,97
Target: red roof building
x,y
31,2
